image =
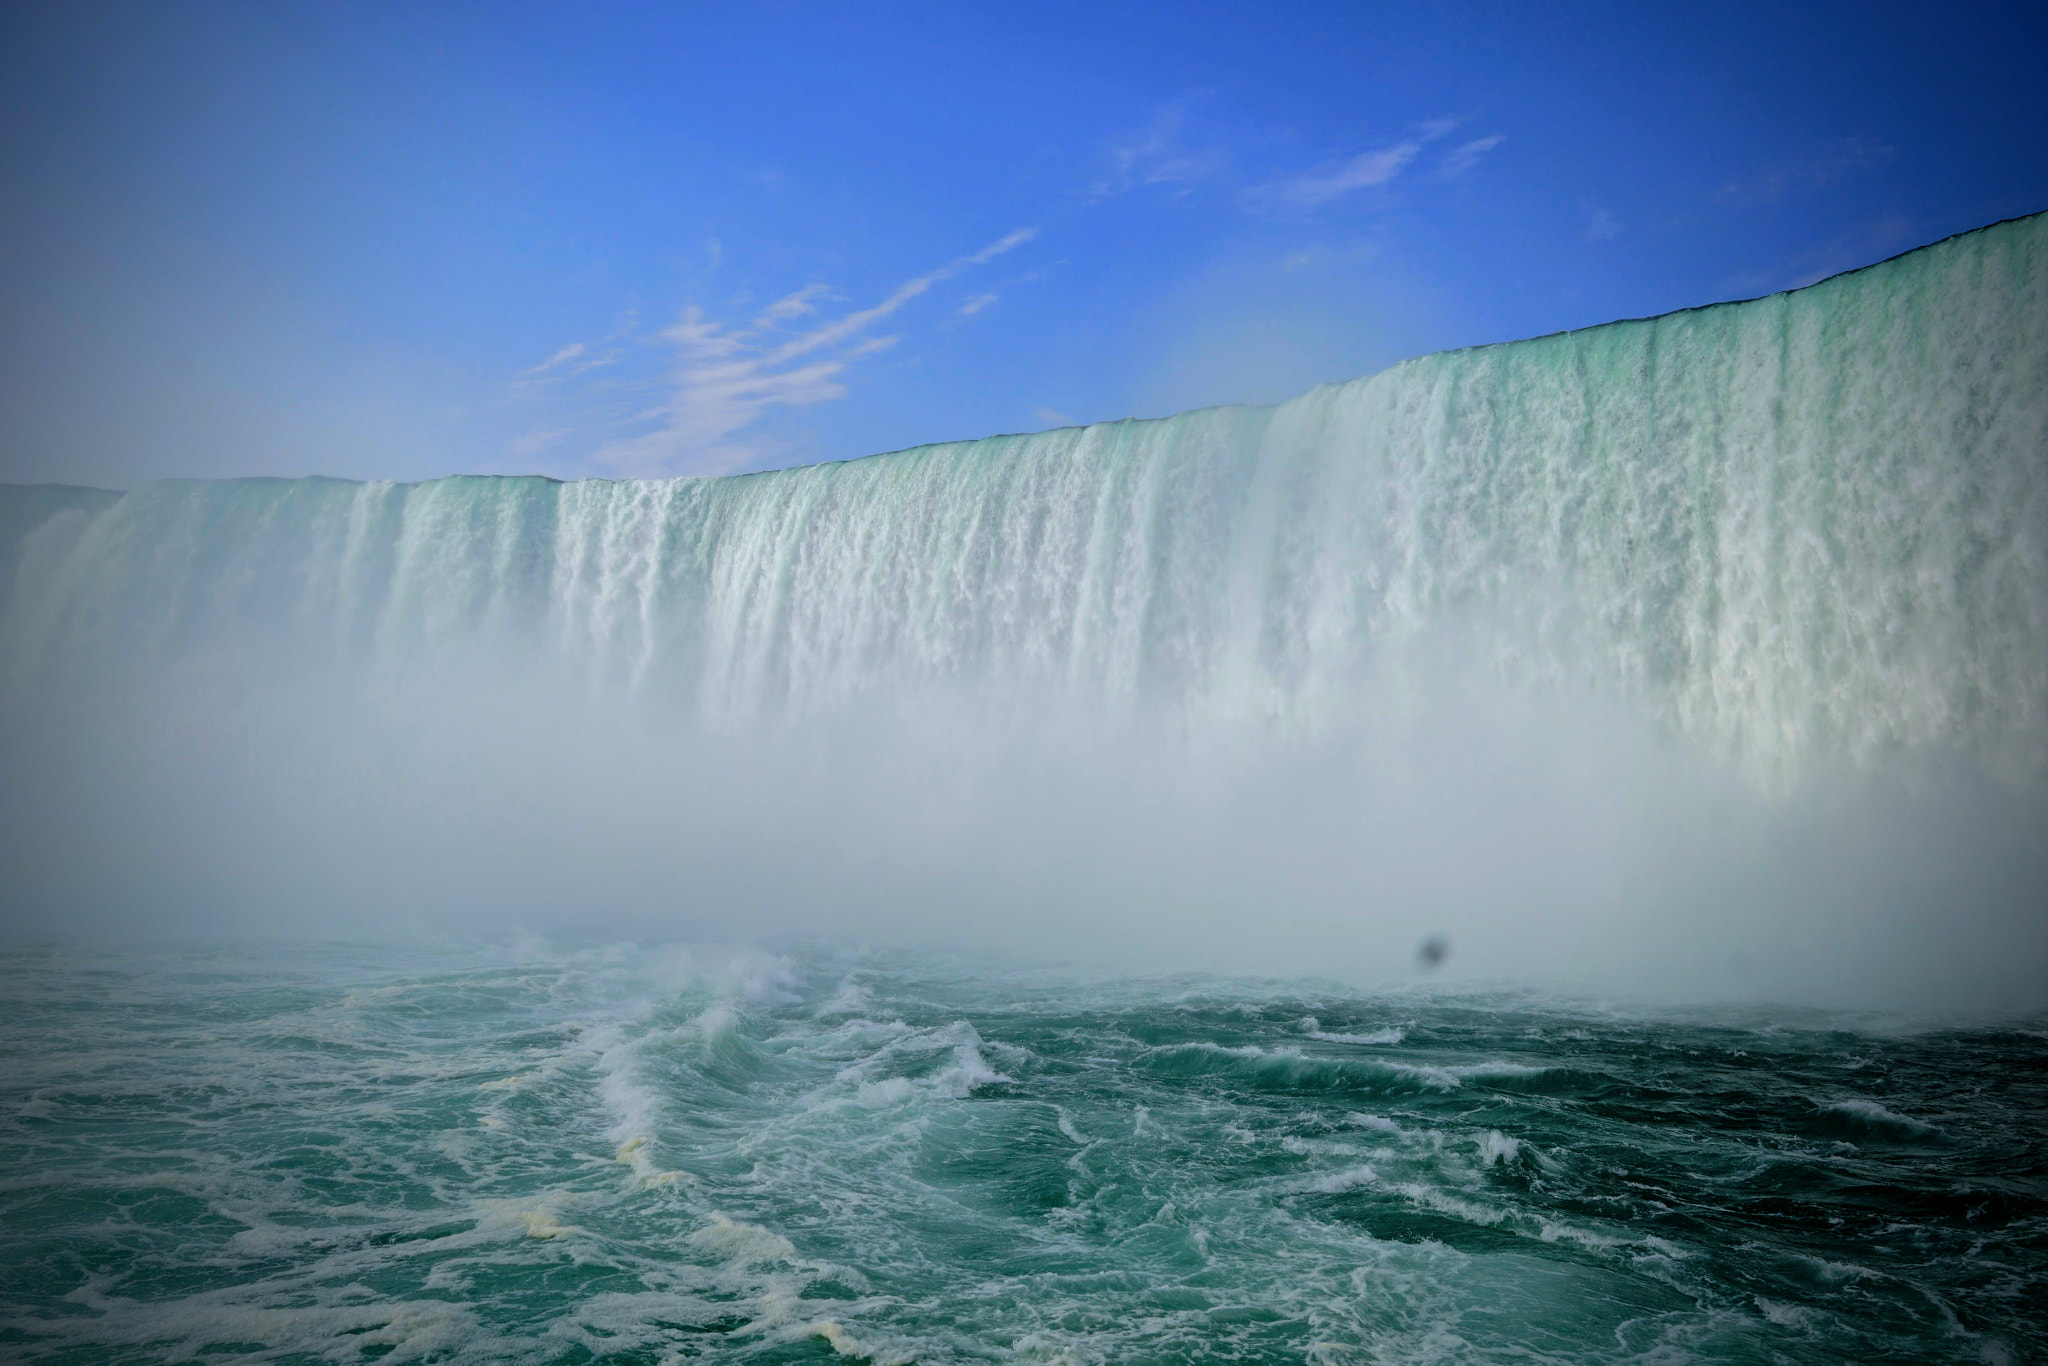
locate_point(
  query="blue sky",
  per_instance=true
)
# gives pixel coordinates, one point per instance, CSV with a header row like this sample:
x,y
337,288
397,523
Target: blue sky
x,y
408,240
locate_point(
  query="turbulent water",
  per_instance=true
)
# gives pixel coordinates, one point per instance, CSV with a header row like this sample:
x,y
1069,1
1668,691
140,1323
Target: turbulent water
x,y
641,1155
1701,658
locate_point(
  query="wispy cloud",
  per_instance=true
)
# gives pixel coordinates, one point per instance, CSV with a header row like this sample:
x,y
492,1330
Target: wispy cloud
x,y
1364,170
534,443
573,359
561,357
1306,192
1163,153
995,293
1466,155
1861,246
721,379
1836,162
1600,224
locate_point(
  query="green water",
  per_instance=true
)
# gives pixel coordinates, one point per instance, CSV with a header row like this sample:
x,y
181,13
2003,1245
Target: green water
x,y
656,1154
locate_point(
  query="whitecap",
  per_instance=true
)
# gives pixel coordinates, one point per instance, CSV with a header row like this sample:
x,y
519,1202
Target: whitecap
x,y
1311,1027
534,1216
1336,1183
1497,1149
846,1345
741,1243
850,999
1874,1116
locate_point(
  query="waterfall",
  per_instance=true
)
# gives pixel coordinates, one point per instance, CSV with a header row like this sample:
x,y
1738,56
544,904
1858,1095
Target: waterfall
x,y
1801,535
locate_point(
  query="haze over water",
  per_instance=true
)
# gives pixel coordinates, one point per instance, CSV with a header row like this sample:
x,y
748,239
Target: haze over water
x,y
1687,677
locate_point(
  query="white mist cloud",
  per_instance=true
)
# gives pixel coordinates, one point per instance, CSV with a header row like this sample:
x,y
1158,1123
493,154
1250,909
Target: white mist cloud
x,y
1554,839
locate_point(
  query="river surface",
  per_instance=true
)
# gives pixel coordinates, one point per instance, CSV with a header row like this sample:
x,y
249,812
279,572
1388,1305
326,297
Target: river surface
x,y
659,1154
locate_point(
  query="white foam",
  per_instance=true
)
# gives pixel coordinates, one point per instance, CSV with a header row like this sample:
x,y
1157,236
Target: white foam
x,y
878,1095
1429,1197
846,1345
636,1108
181,1329
633,1153
764,979
1312,1027
516,1081
1787,1315
970,1070
1878,1117
717,1022
850,999
1498,1068
1497,1148
534,1216
1349,1179
741,1243
1377,1037
1436,1078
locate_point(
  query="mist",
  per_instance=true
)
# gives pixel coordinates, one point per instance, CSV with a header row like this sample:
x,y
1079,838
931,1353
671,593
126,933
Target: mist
x,y
1549,838
1547,843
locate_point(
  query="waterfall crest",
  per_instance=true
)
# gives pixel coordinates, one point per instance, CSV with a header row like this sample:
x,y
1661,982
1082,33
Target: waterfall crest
x,y
1813,525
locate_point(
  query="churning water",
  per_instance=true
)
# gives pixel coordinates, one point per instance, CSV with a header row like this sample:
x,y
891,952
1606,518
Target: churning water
x,y
645,1155
1702,658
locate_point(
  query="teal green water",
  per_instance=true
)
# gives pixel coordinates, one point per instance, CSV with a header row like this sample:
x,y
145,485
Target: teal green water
x,y
653,1154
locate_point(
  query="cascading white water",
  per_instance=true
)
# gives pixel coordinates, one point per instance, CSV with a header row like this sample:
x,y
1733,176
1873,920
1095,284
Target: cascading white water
x,y
1797,538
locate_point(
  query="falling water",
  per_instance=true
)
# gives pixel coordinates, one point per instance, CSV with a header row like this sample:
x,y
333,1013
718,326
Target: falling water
x,y
1504,641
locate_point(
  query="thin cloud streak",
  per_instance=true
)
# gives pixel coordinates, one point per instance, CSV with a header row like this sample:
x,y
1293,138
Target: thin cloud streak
x,y
721,380
1835,164
1363,170
1304,194
1467,155
1162,156
561,357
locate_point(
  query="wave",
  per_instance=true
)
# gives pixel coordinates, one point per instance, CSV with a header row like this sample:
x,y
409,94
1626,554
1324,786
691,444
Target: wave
x,y
1869,1118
